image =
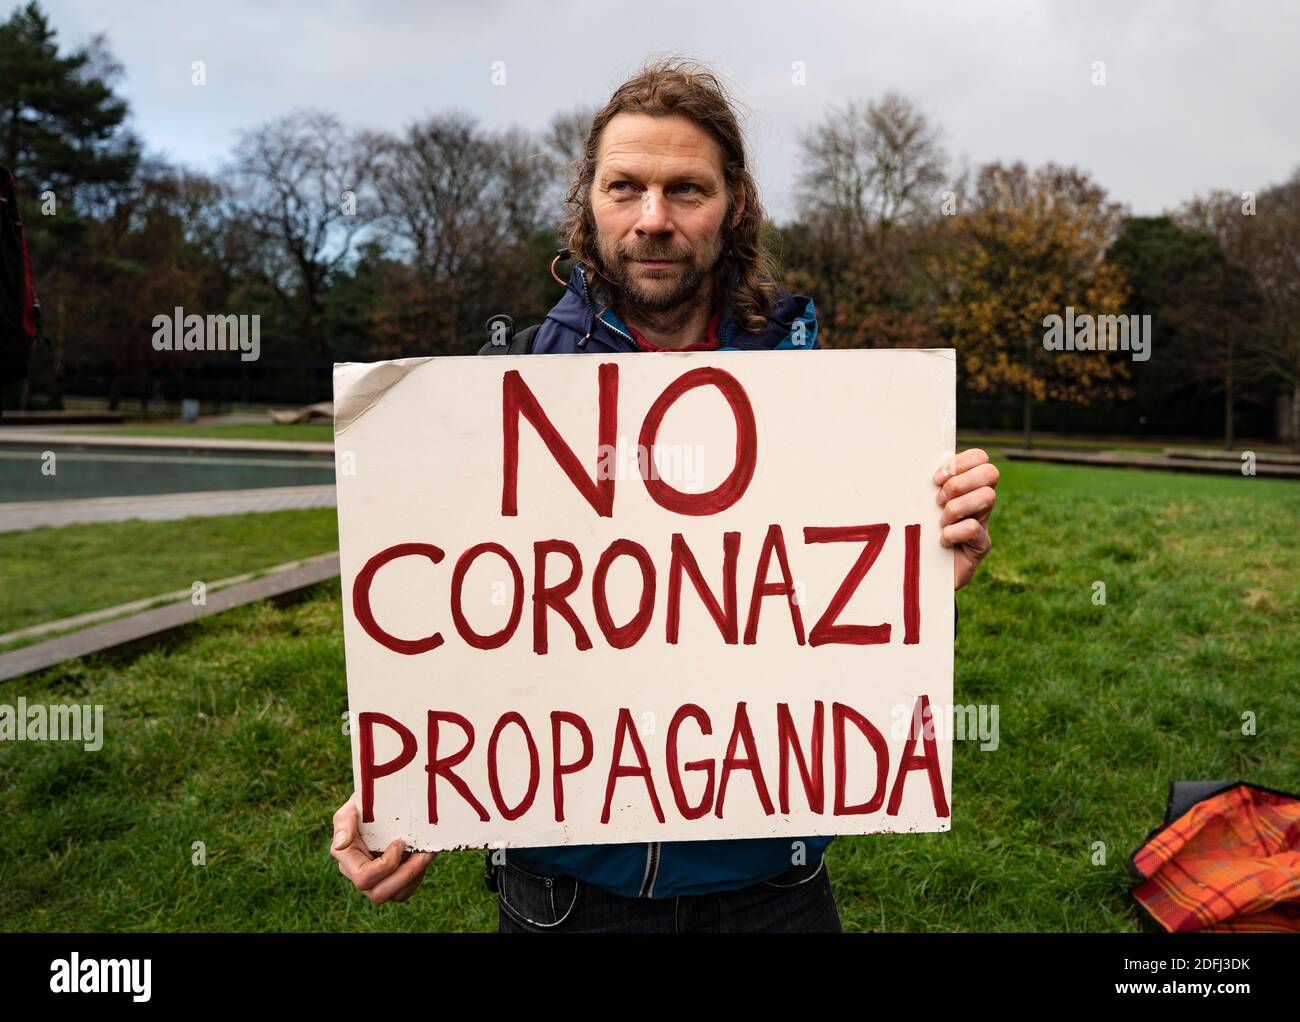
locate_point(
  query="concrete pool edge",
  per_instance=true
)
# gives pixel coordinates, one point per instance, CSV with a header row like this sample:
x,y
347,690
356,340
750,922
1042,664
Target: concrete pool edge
x,y
79,621
167,443
152,623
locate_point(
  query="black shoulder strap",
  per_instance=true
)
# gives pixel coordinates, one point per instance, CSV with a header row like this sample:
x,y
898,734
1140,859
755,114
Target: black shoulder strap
x,y
520,344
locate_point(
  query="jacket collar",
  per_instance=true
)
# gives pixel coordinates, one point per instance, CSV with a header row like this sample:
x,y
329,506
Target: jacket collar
x,y
606,332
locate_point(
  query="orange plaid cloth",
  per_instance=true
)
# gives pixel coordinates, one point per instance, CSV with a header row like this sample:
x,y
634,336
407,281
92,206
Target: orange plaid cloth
x,y
1231,863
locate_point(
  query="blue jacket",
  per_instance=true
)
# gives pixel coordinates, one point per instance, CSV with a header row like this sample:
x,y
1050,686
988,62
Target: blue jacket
x,y
670,868
573,321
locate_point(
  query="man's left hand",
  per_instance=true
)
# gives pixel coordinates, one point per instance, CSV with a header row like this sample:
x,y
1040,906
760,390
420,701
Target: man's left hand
x,y
966,494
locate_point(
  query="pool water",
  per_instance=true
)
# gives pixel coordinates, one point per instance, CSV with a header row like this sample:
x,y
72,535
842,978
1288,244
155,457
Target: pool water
x,y
81,472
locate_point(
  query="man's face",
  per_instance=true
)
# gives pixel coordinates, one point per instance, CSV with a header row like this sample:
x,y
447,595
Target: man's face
x,y
659,198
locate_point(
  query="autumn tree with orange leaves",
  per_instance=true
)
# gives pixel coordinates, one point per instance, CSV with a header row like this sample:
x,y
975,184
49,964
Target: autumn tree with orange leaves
x,y
1024,246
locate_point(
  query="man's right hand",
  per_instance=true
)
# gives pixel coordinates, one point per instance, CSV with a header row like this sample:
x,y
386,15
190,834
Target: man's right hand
x,y
393,876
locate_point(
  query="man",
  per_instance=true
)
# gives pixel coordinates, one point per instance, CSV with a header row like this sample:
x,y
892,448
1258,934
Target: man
x,y
665,230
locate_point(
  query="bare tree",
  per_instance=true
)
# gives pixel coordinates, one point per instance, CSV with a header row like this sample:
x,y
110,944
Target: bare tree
x,y
566,135
472,209
565,142
1264,236
432,184
869,167
299,185
520,189
1274,256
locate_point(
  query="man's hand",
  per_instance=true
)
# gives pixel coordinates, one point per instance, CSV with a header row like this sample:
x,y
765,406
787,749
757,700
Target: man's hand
x,y
966,494
393,876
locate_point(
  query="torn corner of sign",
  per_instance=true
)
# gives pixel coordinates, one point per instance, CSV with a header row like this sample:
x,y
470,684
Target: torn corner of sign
x,y
359,386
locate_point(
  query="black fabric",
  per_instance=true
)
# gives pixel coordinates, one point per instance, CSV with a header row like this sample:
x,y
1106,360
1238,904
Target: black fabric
x,y
15,301
1185,794
520,344
799,899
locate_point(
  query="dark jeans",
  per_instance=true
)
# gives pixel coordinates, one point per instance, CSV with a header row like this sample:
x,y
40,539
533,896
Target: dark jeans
x,y
798,901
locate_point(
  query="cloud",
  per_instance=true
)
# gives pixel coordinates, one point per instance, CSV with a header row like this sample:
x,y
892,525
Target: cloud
x,y
1197,96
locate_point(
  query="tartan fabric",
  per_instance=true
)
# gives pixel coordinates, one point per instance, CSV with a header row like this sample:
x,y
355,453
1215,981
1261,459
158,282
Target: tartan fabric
x,y
1231,863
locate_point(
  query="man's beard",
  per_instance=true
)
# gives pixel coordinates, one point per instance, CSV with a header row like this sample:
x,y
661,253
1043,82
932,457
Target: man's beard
x,y
634,297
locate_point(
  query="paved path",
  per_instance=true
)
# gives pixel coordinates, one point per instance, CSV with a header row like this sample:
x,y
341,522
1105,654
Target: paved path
x,y
163,507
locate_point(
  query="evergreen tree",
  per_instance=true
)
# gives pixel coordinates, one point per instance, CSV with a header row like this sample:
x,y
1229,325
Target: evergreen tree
x,y
61,126
62,132
1203,311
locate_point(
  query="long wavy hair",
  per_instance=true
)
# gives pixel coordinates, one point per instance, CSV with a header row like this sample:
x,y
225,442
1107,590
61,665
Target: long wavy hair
x,y
746,274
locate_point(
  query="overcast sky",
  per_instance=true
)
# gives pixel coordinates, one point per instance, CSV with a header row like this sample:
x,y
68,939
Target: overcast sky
x,y
1198,95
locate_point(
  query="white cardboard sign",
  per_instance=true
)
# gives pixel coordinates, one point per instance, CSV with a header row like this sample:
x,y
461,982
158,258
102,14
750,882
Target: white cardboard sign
x,y
592,599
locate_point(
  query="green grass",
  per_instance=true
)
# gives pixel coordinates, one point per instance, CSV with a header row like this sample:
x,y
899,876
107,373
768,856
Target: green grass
x,y
1100,706
52,573
1121,445
324,433
313,432
229,733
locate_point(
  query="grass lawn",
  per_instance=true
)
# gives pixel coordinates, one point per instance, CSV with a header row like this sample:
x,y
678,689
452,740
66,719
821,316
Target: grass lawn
x,y
324,433
1050,442
311,432
52,573
230,734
